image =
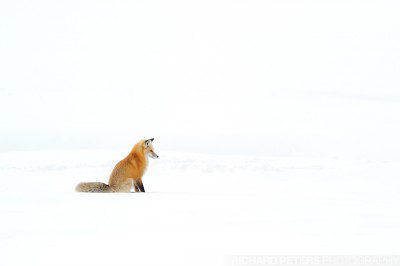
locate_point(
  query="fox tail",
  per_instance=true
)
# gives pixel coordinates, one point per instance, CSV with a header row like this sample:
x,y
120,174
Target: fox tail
x,y
92,187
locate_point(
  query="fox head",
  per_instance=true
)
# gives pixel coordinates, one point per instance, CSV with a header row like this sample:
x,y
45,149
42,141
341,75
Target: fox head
x,y
148,146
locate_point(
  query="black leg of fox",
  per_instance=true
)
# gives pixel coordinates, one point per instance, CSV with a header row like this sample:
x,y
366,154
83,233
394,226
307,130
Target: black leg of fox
x,y
135,187
140,185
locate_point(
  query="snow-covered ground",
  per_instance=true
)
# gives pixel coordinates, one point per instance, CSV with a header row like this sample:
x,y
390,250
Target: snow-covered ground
x,y
302,97
199,209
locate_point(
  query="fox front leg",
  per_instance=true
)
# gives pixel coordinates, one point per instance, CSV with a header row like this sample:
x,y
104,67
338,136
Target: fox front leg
x,y
135,187
139,184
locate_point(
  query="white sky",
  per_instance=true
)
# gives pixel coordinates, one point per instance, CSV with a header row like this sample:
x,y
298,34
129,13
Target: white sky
x,y
77,74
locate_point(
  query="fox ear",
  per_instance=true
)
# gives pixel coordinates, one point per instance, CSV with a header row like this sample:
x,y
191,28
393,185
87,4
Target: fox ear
x,y
147,142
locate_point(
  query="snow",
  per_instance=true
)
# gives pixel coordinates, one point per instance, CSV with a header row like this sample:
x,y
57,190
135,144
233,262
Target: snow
x,y
276,122
199,209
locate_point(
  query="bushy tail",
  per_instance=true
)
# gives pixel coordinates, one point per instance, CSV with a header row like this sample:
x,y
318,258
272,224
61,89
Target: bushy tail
x,y
92,187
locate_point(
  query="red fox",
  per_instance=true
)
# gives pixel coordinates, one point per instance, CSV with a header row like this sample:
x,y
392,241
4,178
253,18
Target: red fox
x,y
127,172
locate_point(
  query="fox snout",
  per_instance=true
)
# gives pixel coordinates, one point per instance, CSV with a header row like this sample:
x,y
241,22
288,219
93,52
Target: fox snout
x,y
153,155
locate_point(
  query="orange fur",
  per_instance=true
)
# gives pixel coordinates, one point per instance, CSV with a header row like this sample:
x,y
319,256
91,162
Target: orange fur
x,y
127,173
